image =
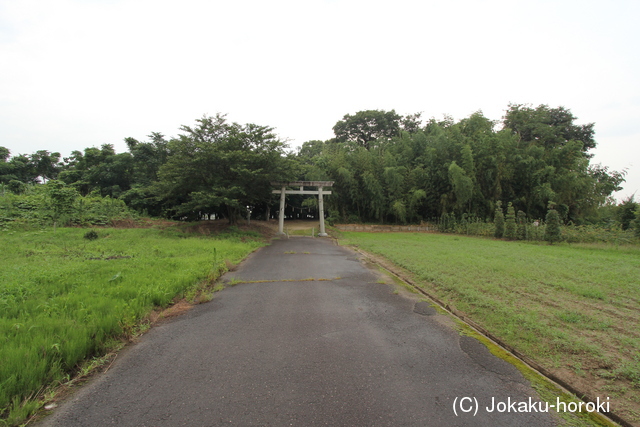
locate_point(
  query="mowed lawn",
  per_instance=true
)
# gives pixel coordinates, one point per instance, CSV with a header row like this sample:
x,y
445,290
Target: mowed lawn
x,y
64,298
574,309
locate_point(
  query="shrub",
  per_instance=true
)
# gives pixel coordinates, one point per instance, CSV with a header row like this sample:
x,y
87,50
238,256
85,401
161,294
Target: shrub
x,y
636,223
521,226
552,232
447,223
498,221
510,224
91,235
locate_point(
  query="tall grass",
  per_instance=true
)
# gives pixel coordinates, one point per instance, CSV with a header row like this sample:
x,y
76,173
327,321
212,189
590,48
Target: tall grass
x,y
64,298
33,208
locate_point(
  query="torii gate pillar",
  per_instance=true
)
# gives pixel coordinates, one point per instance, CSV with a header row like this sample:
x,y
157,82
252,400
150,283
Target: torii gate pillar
x,y
321,209
283,190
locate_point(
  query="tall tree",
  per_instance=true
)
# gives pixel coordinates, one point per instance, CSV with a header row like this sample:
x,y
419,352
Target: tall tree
x,y
46,164
222,167
365,127
548,127
5,167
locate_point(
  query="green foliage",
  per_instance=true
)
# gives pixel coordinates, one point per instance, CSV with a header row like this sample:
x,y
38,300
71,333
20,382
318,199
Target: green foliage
x,y
41,165
462,186
55,202
386,168
626,212
498,221
552,127
466,224
91,235
399,211
17,187
636,223
220,167
465,168
447,223
535,231
367,126
60,199
552,232
510,223
66,298
521,226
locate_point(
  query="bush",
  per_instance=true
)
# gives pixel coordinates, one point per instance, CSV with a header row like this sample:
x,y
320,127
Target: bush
x,y
498,221
43,205
510,225
552,232
447,223
521,226
91,235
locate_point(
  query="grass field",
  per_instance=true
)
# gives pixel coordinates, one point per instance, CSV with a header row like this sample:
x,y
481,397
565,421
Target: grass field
x,y
574,309
64,298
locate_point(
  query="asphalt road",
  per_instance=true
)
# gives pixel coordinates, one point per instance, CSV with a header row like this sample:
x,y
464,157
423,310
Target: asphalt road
x,y
308,337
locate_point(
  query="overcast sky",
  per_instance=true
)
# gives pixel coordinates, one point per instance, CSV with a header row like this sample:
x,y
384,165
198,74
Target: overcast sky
x,y
82,73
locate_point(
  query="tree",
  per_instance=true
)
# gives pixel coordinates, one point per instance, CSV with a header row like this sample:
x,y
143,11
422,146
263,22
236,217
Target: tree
x,y
521,231
45,164
552,232
5,167
462,186
510,223
399,210
498,221
61,199
627,212
412,123
367,126
548,127
146,160
221,167
99,169
21,168
636,223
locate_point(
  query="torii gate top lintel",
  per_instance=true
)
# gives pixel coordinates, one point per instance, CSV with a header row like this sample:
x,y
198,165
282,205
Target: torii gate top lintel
x,y
303,183
283,190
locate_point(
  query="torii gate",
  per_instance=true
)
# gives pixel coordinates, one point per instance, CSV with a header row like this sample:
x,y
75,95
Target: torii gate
x,y
283,190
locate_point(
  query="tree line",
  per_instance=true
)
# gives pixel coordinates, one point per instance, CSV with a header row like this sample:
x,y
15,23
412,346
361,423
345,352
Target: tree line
x,y
387,168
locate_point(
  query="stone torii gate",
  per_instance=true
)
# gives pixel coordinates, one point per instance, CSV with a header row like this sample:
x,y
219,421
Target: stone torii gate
x,y
283,190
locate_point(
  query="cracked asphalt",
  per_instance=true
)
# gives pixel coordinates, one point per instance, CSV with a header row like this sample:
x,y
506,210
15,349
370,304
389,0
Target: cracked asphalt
x,y
306,336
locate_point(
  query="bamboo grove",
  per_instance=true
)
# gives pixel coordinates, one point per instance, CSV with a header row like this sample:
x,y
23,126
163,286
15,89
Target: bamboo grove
x,y
387,168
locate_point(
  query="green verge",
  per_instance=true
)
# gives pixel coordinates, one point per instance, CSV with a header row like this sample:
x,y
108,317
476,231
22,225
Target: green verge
x,y
65,299
572,309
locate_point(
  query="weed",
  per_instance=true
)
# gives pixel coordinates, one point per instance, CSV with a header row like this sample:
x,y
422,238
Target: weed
x,y
69,299
91,235
572,317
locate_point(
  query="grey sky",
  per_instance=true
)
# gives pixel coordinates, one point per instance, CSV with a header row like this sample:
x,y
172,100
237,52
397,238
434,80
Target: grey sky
x,y
79,73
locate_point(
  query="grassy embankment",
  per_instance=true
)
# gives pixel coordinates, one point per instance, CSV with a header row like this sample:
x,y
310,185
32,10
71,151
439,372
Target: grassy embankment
x,y
573,309
64,299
